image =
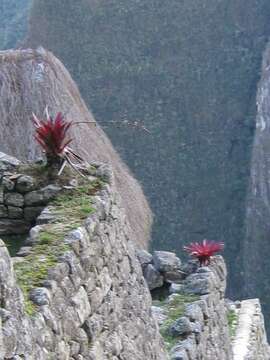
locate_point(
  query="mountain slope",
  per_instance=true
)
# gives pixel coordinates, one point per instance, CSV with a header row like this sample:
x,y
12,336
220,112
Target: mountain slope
x,y
32,80
187,69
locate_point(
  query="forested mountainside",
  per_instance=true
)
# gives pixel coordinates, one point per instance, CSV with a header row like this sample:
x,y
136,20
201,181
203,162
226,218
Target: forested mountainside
x,y
188,70
13,22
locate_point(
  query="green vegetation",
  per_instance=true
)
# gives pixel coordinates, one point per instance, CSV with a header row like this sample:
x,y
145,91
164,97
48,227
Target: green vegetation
x,y
71,208
232,322
174,311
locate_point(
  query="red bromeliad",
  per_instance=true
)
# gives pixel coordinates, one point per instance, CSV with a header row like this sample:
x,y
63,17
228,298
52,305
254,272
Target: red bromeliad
x,y
203,251
51,134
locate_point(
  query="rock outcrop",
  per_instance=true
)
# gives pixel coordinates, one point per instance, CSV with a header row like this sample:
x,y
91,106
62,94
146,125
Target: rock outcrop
x,y
30,80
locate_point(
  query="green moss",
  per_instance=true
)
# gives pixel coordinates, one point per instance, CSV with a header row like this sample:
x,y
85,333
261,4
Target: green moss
x,y
232,322
174,311
71,208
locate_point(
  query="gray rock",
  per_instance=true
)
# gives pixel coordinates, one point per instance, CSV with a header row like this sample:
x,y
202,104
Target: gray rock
x,y
198,284
24,251
47,216
1,195
42,196
178,354
144,257
10,227
33,237
180,327
32,212
175,276
15,212
3,211
159,314
165,261
40,296
8,161
153,278
194,312
8,184
14,199
25,184
176,288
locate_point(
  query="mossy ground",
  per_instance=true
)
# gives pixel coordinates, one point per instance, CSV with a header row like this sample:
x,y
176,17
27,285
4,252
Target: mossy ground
x,y
174,311
71,208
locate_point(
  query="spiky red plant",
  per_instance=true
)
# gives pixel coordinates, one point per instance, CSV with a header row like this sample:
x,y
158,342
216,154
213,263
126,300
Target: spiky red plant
x,y
203,251
51,134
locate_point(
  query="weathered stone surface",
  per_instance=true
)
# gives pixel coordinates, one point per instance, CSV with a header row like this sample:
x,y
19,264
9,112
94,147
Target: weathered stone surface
x,y
175,276
250,340
8,161
7,183
144,257
153,278
42,196
25,184
46,216
32,212
94,303
9,226
159,314
14,199
24,251
40,296
3,211
165,261
15,212
181,326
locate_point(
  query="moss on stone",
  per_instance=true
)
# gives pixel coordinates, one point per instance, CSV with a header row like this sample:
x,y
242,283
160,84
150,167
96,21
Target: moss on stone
x,y
174,310
232,322
71,208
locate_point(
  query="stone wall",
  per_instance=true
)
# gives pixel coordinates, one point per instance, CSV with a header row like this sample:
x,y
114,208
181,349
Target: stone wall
x,y
93,303
195,319
250,341
22,198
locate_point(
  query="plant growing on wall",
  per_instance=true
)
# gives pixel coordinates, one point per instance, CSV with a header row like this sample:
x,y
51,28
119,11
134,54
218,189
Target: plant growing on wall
x,y
51,134
203,251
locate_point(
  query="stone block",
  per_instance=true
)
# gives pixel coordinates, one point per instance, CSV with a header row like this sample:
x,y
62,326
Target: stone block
x,y
15,212
14,199
153,278
165,261
42,196
25,184
181,326
32,212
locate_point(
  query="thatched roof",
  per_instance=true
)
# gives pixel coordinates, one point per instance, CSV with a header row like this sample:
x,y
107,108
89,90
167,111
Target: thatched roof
x,y
32,79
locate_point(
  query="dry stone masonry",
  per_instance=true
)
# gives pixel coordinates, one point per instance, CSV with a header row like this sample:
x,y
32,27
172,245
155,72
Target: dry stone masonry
x,y
94,303
197,322
91,301
21,197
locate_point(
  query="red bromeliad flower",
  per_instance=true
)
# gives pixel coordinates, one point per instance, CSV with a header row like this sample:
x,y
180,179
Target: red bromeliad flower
x,y
51,134
203,251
